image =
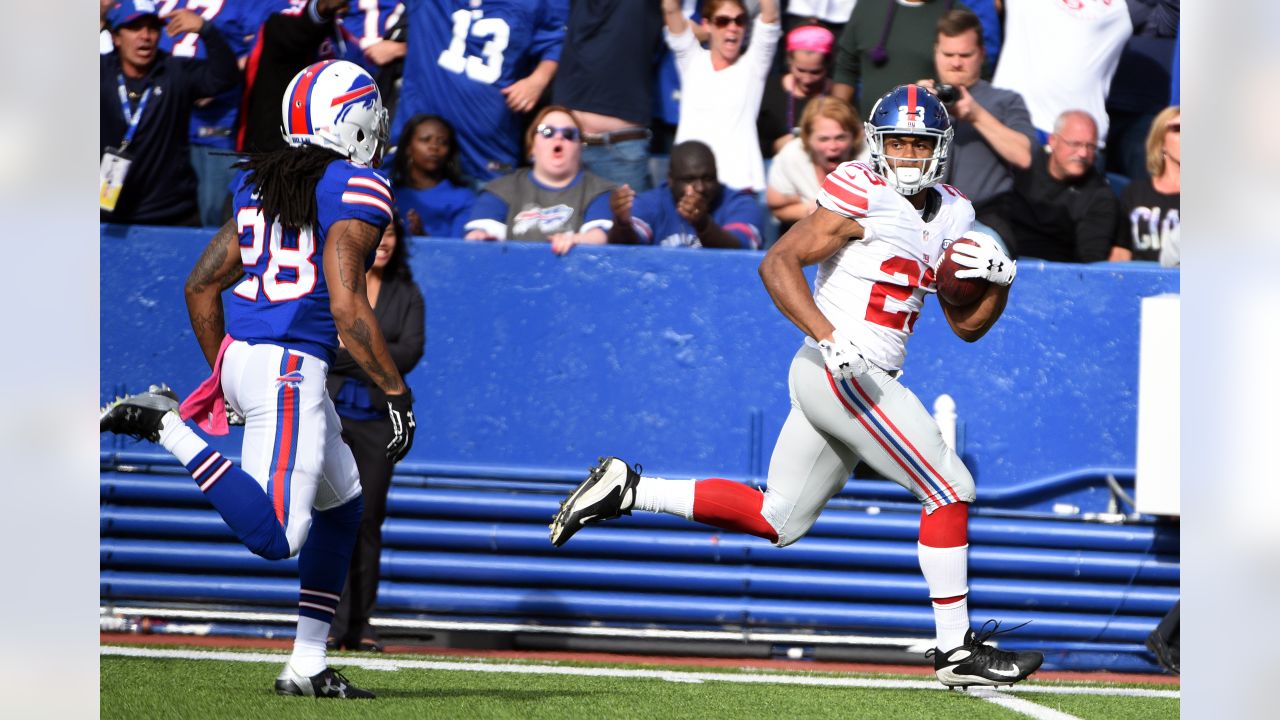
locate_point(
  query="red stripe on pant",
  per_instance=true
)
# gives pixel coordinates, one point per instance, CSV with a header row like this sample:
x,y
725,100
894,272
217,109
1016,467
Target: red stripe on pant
x,y
731,506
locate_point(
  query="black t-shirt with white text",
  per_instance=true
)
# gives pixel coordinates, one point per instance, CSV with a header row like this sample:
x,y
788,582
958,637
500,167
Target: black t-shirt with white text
x,y
1149,218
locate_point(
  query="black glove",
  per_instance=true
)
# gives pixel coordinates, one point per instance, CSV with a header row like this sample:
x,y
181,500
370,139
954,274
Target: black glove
x,y
400,408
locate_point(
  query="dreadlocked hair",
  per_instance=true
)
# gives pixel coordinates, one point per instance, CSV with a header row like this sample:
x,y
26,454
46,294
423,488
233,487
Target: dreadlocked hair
x,y
285,181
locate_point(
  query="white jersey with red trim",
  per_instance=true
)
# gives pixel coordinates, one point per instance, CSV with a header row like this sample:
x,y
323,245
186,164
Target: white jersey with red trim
x,y
873,288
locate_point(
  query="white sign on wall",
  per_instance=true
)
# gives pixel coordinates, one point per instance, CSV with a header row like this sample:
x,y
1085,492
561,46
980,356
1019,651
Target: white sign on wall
x,y
1159,405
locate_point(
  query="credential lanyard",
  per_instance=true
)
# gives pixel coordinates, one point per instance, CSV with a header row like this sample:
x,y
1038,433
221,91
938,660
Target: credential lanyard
x,y
131,117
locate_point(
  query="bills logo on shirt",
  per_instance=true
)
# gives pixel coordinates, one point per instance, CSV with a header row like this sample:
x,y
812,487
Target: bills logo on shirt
x,y
547,220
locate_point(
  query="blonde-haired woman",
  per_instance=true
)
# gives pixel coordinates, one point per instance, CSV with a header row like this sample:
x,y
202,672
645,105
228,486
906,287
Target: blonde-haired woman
x,y
1150,225
830,134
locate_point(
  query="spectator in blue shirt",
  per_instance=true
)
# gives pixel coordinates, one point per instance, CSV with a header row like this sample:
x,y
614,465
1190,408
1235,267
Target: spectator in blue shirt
x,y
430,193
691,209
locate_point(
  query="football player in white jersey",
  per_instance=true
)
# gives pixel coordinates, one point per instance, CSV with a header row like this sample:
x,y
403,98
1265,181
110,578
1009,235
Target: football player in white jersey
x,y
877,236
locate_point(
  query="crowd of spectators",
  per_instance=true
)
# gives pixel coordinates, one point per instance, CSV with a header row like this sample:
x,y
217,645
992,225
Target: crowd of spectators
x,y
554,120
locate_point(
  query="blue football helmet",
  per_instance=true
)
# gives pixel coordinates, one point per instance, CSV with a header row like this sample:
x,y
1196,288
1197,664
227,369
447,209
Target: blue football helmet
x,y
910,110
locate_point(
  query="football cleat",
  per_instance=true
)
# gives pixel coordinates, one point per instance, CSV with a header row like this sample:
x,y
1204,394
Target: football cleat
x,y
328,683
139,415
608,492
978,663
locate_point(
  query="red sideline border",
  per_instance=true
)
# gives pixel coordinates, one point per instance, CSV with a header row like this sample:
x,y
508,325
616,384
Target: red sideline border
x,y
109,638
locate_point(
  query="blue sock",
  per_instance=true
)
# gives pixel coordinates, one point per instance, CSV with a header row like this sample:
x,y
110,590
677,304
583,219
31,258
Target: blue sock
x,y
241,502
325,558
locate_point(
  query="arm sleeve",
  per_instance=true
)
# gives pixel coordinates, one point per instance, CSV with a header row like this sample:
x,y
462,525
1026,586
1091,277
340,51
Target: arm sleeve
x,y
598,214
1124,225
1015,116
683,46
845,191
740,217
218,71
1097,228
366,196
764,41
548,36
645,214
489,213
407,348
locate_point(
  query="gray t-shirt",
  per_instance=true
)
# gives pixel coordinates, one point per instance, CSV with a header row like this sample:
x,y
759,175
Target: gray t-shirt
x,y
535,212
975,168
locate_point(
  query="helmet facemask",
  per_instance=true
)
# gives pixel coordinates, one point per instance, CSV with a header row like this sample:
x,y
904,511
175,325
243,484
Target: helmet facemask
x,y
910,110
921,172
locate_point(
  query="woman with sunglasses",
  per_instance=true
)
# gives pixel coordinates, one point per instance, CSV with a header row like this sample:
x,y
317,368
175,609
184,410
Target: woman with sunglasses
x,y
721,86
1150,220
554,200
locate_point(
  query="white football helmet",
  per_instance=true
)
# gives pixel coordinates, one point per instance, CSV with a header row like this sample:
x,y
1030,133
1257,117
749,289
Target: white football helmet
x,y
910,110
336,104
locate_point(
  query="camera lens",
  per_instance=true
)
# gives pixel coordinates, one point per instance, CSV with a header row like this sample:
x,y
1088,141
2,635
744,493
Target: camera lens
x,y
946,93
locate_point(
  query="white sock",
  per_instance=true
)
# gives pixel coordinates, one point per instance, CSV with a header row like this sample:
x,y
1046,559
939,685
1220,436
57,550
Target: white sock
x,y
310,657
946,571
951,622
179,439
666,496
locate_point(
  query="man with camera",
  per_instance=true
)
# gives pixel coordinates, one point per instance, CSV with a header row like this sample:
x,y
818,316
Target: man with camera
x,y
993,130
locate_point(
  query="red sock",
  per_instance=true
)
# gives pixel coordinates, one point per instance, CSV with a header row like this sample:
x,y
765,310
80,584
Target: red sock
x,y
947,527
731,506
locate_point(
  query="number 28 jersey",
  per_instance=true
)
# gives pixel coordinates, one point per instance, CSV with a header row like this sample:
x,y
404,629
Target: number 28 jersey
x,y
873,288
283,298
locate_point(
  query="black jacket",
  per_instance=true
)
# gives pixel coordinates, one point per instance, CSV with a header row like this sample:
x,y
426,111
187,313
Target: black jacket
x,y
1060,221
401,315
161,186
287,43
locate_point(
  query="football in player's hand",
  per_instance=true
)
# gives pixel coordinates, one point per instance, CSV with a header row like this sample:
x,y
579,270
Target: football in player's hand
x,y
956,291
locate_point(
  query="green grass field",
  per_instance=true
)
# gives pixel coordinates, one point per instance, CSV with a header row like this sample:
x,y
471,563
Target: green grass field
x,y
226,684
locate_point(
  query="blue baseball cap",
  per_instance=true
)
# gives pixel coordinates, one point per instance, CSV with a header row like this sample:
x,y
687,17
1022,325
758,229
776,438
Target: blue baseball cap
x,y
126,11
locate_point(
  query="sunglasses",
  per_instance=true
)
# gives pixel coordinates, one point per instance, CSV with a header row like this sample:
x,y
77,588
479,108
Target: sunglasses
x,y
723,21
568,133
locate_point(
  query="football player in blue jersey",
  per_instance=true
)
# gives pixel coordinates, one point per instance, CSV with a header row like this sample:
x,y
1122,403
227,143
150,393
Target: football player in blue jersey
x,y
478,64
308,218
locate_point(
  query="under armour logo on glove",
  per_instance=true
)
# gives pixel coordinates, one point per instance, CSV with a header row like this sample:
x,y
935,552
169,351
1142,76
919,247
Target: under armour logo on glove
x,y
842,358
984,259
403,424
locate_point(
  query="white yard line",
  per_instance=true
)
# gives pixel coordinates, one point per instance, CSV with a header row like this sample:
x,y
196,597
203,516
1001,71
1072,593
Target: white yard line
x,y
393,664
1018,705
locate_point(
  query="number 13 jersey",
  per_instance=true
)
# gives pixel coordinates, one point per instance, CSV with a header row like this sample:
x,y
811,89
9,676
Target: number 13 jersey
x,y
873,288
283,298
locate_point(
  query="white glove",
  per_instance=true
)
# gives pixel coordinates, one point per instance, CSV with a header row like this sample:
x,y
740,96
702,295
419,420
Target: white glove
x,y
842,357
986,260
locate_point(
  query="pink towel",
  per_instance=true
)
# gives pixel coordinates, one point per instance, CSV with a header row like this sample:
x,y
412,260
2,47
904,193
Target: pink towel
x,y
206,402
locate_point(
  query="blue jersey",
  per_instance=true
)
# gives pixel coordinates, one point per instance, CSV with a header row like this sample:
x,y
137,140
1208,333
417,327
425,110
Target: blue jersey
x,y
283,299
654,216
444,209
367,20
213,123
462,58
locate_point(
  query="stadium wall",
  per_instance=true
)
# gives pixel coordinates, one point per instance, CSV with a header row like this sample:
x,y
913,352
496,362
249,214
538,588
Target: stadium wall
x,y
678,359
536,364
